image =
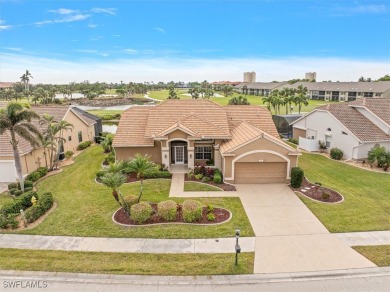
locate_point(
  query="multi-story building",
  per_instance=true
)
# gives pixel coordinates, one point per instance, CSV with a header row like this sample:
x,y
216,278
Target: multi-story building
x,y
250,76
311,76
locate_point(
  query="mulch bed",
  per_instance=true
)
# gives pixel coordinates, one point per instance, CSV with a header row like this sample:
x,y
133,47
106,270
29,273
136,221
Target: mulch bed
x,y
316,192
221,215
223,186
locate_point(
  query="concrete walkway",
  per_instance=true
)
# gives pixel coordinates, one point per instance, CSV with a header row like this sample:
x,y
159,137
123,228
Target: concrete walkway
x,y
133,245
365,238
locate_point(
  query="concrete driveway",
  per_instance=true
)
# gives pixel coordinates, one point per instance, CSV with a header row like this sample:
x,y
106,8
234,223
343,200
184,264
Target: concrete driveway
x,y
289,238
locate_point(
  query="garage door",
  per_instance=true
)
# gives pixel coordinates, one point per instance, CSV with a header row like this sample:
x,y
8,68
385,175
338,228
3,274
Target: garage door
x,y
7,171
260,173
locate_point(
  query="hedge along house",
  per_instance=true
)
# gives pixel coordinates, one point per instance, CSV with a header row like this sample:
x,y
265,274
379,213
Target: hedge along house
x,y
31,158
242,141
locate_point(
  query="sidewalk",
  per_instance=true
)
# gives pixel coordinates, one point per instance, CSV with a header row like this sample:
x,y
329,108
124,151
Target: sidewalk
x,y
365,238
132,245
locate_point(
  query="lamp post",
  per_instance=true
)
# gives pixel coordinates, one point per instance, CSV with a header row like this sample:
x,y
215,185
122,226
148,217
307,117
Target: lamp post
x,y
238,248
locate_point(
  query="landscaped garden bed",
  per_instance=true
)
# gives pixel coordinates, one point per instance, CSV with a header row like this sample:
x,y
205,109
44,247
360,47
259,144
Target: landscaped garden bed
x,y
208,175
220,215
317,192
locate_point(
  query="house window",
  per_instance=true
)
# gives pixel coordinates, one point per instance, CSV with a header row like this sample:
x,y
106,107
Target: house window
x,y
69,138
203,152
80,135
377,94
368,94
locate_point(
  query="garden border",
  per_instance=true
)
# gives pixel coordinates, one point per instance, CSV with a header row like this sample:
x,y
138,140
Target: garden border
x,y
342,200
174,223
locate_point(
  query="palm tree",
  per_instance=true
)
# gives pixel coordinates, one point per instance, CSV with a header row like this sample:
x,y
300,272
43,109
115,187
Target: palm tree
x,y
239,101
227,90
268,101
301,97
140,164
17,120
380,155
114,181
25,78
107,143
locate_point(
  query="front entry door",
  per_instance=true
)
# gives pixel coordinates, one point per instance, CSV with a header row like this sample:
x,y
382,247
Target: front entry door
x,y
179,154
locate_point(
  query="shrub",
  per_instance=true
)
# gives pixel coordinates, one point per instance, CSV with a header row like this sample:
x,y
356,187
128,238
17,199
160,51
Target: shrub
x,y
157,174
167,210
192,210
42,171
110,158
190,175
84,145
12,191
322,144
205,179
27,184
210,208
23,202
28,189
292,140
69,154
11,220
141,212
210,162
336,153
297,176
3,221
199,176
131,200
100,173
34,176
217,178
210,217
12,186
45,202
209,172
18,193
325,196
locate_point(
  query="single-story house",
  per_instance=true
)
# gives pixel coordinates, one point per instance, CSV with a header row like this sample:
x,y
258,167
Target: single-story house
x,y
242,141
353,127
33,158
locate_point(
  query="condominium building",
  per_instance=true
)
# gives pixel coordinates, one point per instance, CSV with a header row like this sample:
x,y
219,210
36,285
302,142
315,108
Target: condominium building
x,y
250,76
311,76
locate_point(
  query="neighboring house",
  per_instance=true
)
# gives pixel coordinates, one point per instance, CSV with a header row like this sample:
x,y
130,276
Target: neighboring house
x,y
6,85
353,127
283,124
241,140
329,91
84,130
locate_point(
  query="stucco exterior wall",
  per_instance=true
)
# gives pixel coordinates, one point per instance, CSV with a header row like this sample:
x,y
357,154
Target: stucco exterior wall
x,y
299,133
177,135
88,132
125,153
316,125
362,151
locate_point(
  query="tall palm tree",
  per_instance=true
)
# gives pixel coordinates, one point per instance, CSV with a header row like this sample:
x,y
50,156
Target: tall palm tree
x,y
238,101
301,97
25,78
140,164
16,119
268,101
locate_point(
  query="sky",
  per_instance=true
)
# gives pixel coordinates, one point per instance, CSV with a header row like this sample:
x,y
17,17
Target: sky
x,y
214,40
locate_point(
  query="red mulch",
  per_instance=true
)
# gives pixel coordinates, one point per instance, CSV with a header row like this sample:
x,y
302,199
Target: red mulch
x,y
221,215
315,192
223,186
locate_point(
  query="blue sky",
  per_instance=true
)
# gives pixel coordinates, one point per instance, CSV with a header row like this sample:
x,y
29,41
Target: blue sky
x,y
62,41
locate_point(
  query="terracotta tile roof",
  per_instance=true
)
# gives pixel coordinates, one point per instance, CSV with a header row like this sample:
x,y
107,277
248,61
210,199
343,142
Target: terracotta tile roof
x,y
258,116
379,106
140,125
131,128
358,124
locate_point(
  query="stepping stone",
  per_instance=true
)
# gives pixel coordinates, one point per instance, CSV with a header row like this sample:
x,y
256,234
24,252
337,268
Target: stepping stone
x,y
303,190
312,187
307,188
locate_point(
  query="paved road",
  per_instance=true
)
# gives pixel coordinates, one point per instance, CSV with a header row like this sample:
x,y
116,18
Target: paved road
x,y
374,279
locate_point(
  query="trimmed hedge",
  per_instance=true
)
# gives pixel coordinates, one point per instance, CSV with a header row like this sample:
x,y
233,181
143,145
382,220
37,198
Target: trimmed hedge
x,y
297,176
84,145
217,178
167,210
141,212
192,210
336,153
35,175
157,174
131,200
45,202
23,202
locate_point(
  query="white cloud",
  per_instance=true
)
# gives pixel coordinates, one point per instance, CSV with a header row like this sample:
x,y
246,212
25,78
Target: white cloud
x,y
14,49
130,51
4,27
166,69
159,29
70,18
116,35
92,25
110,11
63,11
360,9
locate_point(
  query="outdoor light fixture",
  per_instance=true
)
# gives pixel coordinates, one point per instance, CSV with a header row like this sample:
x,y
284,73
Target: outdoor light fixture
x,y
165,156
190,155
238,248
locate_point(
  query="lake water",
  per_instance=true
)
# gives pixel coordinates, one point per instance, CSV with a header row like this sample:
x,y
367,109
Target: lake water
x,y
116,108
110,127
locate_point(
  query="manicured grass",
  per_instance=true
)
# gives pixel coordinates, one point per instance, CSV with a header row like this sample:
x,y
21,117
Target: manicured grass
x,y
85,208
253,100
366,206
125,263
190,186
378,254
5,198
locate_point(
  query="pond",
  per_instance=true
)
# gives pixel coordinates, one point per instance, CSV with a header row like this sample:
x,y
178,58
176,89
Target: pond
x,y
110,127
115,108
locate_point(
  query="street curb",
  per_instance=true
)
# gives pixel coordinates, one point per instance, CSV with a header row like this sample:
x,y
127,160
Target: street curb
x,y
198,280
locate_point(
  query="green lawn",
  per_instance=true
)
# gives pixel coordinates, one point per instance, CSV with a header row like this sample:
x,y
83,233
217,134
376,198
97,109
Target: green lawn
x,y
101,113
5,198
190,186
125,263
367,204
85,208
378,254
253,100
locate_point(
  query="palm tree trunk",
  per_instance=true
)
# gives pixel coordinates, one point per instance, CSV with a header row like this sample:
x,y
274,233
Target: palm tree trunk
x,y
140,192
18,163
